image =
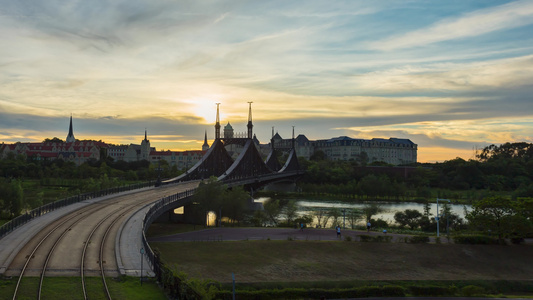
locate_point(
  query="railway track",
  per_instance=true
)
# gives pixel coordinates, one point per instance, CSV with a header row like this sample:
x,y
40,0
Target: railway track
x,y
80,243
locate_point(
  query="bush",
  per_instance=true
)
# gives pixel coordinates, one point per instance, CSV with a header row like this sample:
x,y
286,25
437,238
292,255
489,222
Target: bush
x,y
348,238
517,240
472,290
299,293
376,238
475,240
417,239
431,291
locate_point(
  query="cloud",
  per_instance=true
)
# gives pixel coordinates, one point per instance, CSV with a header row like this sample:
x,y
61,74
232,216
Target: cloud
x,y
482,21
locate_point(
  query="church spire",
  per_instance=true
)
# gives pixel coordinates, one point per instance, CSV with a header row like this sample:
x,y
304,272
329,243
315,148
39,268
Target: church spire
x,y
250,125
205,146
145,135
70,136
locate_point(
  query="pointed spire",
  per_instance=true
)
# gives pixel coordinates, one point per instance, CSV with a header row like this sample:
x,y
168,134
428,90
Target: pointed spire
x,y
145,135
205,146
292,137
70,136
217,124
250,125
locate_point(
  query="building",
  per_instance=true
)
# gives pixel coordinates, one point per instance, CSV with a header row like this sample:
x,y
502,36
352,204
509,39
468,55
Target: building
x,y
77,151
393,151
180,159
136,152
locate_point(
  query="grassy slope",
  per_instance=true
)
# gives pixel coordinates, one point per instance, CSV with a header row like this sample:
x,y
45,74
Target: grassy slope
x,y
271,261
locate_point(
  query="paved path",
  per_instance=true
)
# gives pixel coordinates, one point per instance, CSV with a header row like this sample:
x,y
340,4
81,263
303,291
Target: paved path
x,y
239,234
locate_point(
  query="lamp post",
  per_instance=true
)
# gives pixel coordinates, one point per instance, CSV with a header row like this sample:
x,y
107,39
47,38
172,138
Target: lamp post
x,y
437,217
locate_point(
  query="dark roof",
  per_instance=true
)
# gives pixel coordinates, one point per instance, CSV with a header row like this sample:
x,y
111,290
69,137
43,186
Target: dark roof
x,y
277,137
402,141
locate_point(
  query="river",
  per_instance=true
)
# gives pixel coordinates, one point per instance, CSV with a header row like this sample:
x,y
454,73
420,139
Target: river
x,y
306,207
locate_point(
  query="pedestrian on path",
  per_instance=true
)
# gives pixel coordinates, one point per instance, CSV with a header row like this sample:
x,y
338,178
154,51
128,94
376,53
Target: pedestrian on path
x,y
338,228
368,225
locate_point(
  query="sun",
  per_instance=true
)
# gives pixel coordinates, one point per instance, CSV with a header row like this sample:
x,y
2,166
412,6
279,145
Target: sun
x,y
206,109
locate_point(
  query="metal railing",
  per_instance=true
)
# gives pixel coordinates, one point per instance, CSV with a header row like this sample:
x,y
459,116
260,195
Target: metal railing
x,y
153,213
42,210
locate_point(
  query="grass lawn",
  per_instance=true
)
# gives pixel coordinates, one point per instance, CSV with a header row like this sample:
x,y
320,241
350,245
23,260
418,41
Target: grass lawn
x,y
321,261
70,288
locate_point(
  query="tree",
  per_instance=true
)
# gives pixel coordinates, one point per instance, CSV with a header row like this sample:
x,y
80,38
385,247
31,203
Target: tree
x,y
290,211
353,216
319,213
500,216
209,196
370,210
272,210
11,195
318,156
409,217
335,213
234,203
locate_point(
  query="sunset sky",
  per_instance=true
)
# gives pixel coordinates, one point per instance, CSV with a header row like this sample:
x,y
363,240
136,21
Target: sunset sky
x,y
452,76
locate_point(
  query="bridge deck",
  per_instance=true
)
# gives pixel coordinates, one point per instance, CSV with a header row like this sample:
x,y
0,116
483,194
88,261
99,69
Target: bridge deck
x,y
126,245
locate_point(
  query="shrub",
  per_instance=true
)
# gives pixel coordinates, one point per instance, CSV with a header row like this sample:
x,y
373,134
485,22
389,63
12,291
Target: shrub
x,y
418,239
348,238
376,238
299,293
475,240
430,291
517,240
472,290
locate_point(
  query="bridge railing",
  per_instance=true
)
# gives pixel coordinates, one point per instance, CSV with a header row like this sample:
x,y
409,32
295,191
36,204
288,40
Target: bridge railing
x,y
264,177
42,210
153,213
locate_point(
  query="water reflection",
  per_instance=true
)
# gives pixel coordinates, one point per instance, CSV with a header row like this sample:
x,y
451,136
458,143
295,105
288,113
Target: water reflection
x,y
306,207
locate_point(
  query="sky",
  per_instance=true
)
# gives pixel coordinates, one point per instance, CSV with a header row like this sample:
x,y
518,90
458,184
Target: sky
x,y
451,76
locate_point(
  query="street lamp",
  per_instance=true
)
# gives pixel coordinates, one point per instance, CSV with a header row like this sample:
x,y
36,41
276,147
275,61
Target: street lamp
x,y
437,217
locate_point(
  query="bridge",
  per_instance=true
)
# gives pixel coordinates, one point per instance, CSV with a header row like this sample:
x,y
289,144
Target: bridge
x,y
102,233
248,169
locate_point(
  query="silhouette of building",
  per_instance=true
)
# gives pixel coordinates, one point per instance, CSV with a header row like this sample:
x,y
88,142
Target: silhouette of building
x,y
394,151
70,136
77,151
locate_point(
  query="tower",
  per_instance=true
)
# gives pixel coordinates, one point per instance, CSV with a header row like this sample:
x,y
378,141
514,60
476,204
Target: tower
x,y
70,136
217,124
250,125
145,147
228,131
205,146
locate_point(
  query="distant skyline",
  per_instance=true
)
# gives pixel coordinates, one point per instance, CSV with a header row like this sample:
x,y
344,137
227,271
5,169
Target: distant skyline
x,y
451,76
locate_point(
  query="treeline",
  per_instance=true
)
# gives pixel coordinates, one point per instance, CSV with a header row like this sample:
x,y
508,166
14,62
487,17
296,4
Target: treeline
x,y
20,167
26,184
506,168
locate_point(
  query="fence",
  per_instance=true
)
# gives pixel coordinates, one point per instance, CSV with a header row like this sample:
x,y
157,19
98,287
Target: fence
x,y
42,210
162,273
